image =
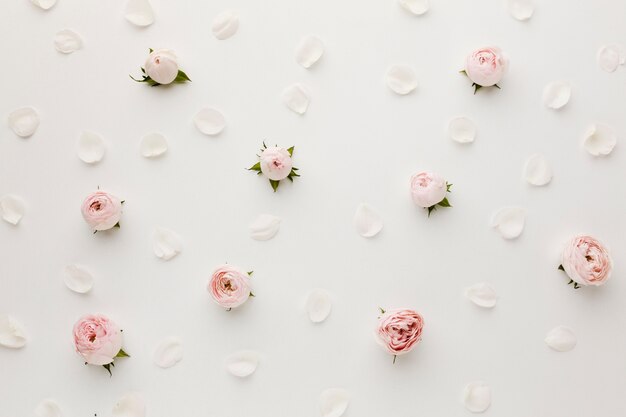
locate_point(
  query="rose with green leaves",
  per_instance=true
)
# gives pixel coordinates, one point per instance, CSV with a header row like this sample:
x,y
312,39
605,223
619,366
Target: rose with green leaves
x,y
276,164
161,68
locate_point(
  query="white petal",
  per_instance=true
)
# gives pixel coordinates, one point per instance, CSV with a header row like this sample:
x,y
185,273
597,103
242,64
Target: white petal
x,y
225,24
130,405
401,79
509,221
561,339
477,396
556,94
44,4
600,140
318,305
67,41
521,9
78,279
153,145
168,353
24,121
309,51
296,97
462,130
12,334
210,121
610,57
367,221
48,408
12,208
264,227
537,170
416,7
334,402
139,12
482,294
166,243
91,147
242,363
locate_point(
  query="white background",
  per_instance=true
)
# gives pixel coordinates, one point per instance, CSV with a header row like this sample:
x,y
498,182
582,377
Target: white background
x,y
358,142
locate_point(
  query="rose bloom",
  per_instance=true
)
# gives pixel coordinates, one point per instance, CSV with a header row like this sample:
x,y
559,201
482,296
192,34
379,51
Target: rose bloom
x,y
97,339
428,189
485,66
162,66
229,286
101,210
399,330
586,261
276,163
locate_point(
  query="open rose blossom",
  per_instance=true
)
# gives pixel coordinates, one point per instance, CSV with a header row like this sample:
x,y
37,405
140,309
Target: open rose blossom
x,y
485,67
428,190
102,211
161,68
399,330
98,340
276,164
230,286
586,261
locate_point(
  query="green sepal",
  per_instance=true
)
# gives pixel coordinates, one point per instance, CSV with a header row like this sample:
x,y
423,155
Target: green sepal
x,y
108,368
290,150
274,184
497,86
561,268
255,167
250,273
117,225
382,310
151,50
394,358
476,87
463,72
252,294
122,354
448,186
181,77
444,203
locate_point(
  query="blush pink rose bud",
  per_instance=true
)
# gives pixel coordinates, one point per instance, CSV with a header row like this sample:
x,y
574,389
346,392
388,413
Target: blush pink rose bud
x,y
485,66
399,330
162,66
101,210
97,339
586,261
229,286
428,189
276,163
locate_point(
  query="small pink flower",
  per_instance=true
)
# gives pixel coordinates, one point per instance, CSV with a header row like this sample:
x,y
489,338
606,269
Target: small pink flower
x,y
485,66
428,189
229,286
162,66
399,330
276,163
102,210
97,339
586,261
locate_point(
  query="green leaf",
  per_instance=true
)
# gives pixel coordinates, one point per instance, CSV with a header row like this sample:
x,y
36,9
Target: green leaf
x,y
181,77
117,225
123,201
561,268
293,173
274,184
382,311
431,208
476,87
255,167
448,186
497,86
290,178
250,273
394,358
252,294
122,354
143,70
108,368
290,150
151,50
444,203
463,72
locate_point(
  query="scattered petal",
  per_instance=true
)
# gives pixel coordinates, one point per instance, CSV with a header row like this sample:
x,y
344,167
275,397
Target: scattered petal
x,y
482,294
600,140
264,227
537,171
477,396
521,9
130,405
168,353
12,208
48,408
367,221
610,57
153,145
296,97
225,24
401,79
139,12
309,51
166,244
416,7
67,41
242,363
509,221
556,94
24,121
44,4
210,121
334,402
78,279
561,339
462,130
91,147
318,305
12,334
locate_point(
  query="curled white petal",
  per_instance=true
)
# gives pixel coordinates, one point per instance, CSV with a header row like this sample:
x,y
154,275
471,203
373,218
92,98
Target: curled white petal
x,y
12,334
318,305
168,352
557,94
521,9
44,4
599,140
153,145
91,147
482,294
401,79
610,57
130,405
48,408
139,12
297,98
462,130
561,339
367,221
242,363
24,121
166,243
309,51
477,396
225,24
416,7
67,41
12,208
537,170
334,402
509,221
264,227
78,279
210,121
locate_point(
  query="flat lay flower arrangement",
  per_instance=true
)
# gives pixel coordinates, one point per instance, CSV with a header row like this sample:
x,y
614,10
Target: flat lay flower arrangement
x,y
406,325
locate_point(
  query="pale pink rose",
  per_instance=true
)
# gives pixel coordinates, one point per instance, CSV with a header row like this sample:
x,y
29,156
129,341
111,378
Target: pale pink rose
x,y
162,66
399,330
97,339
485,66
428,189
101,210
586,261
229,286
276,163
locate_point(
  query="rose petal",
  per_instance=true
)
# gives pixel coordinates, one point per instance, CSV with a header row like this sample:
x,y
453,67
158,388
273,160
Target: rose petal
x,y
12,208
367,221
44,4
482,294
24,121
477,396
139,12
242,363
599,140
537,170
401,79
166,243
130,405
561,339
609,57
264,227
210,121
78,279
91,147
153,145
225,24
12,334
521,9
67,41
168,352
309,51
416,7
556,94
462,130
509,221
318,305
296,97
333,402
48,408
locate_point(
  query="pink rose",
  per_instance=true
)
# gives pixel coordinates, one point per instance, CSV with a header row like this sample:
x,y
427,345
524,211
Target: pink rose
x,y
102,210
97,339
399,330
162,66
485,66
586,261
428,189
229,286
276,163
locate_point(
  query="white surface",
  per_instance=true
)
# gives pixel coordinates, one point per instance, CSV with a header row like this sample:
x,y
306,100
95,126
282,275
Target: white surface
x,y
357,142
